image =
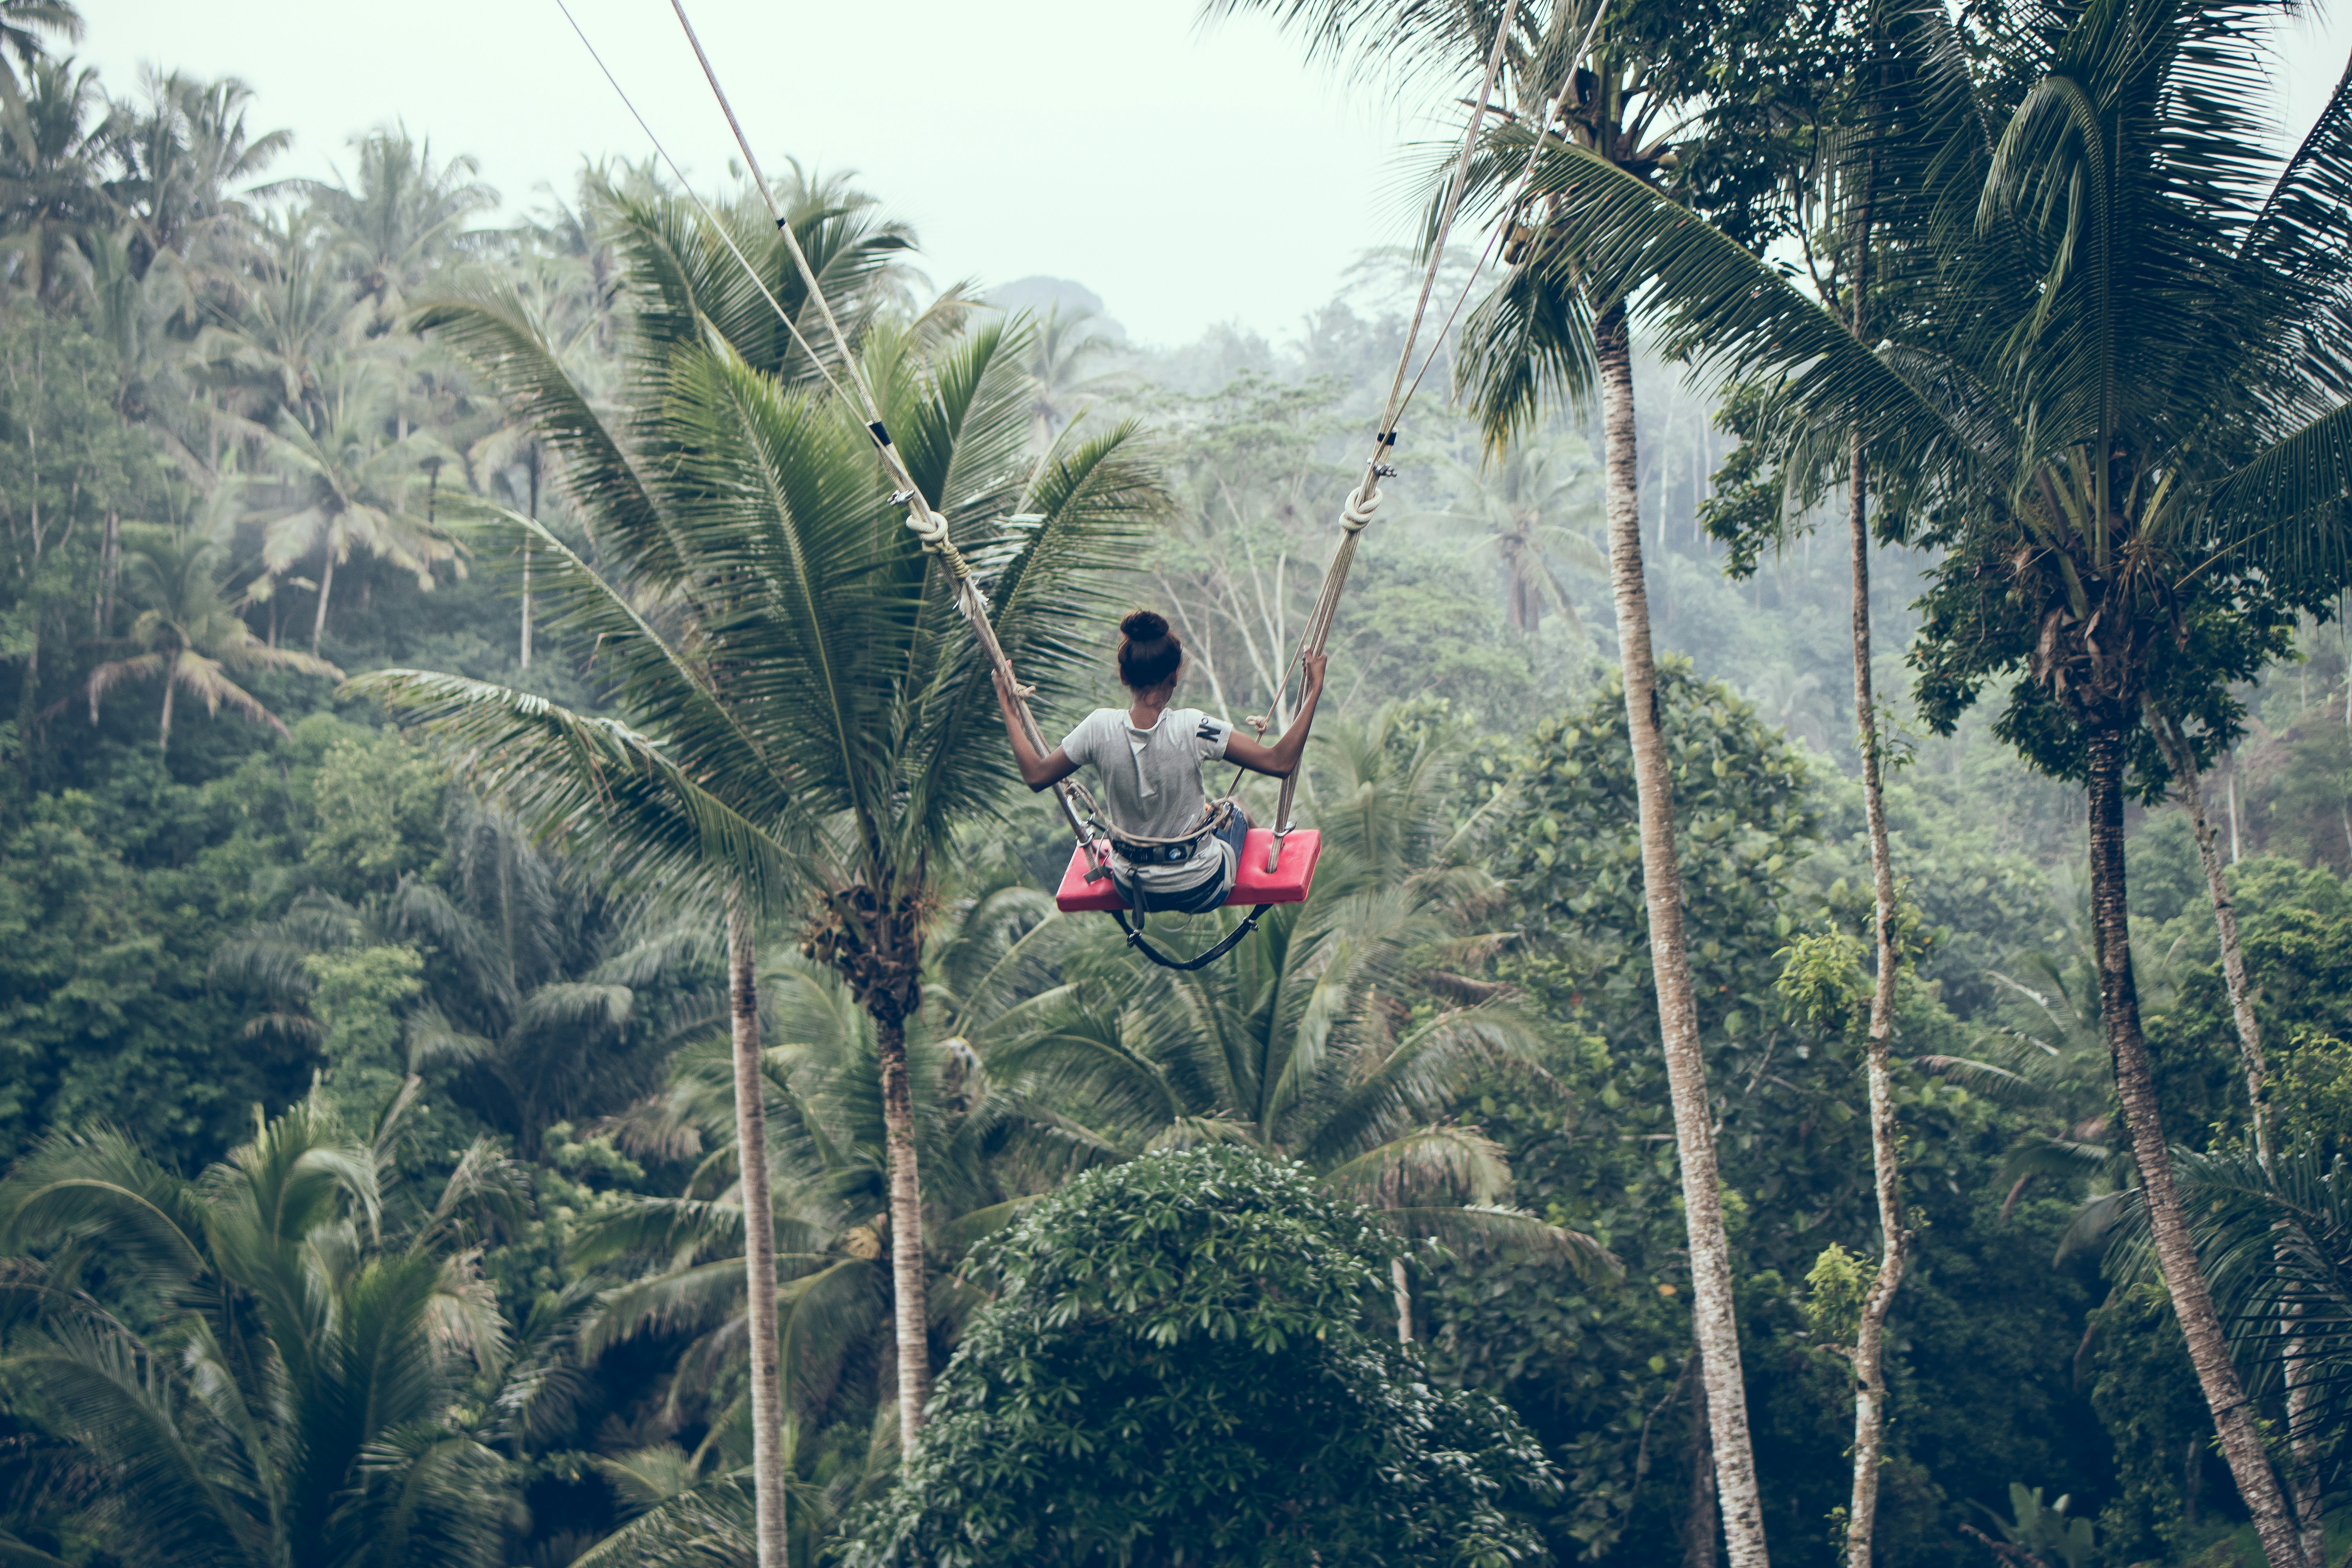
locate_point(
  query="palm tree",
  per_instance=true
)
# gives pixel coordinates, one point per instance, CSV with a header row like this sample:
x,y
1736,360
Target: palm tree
x,y
351,482
814,711
514,459
1064,358
2047,1056
561,997
181,157
1554,326
397,217
992,964
1520,510
266,347
188,635
52,203
22,23
2103,377
2276,1237
296,1401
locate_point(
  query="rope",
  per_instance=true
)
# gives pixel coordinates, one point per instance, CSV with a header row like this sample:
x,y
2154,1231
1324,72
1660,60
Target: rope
x,y
931,529
1356,512
1506,218
708,216
927,524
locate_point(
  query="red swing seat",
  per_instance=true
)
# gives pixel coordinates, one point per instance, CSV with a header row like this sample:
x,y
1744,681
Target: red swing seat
x,y
1288,883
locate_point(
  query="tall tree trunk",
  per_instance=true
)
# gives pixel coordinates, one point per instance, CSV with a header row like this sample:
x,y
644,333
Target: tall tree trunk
x,y
1661,887
760,1236
526,605
1699,1513
109,572
913,1324
1401,1287
2184,1275
28,695
526,557
2234,808
1870,1338
326,586
2183,762
2302,1418
2309,1509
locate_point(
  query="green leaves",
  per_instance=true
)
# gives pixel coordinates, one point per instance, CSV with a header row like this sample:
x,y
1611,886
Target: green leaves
x,y
809,713
296,1403
1177,1356
1835,1289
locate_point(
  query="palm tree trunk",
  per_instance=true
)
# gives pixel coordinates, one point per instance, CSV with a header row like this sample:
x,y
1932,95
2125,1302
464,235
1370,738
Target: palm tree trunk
x,y
2234,808
2184,1275
1661,887
326,586
2308,1509
110,570
1870,1338
1700,1510
1401,1287
28,694
759,1241
913,1322
526,557
2183,762
170,689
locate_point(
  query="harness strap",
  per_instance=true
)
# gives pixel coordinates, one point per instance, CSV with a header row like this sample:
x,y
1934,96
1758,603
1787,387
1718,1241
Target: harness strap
x,y
1231,939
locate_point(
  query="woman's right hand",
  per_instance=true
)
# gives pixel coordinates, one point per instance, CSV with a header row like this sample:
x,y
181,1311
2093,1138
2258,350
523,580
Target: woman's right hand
x,y
1312,664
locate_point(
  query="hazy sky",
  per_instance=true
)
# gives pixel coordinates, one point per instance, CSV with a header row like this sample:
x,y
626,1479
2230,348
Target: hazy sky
x,y
1188,176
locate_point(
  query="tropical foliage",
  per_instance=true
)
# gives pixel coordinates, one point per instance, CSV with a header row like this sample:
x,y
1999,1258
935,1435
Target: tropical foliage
x,y
1173,1370
301,1393
382,1059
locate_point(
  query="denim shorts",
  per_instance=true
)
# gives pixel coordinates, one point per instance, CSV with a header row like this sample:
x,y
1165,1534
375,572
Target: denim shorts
x,y
1210,894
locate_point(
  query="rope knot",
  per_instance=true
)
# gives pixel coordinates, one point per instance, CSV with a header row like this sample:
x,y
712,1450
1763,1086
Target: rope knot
x,y
1363,502
930,527
1256,722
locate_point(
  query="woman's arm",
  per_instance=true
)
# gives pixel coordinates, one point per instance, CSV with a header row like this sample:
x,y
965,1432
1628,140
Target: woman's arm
x,y
1281,759
1038,772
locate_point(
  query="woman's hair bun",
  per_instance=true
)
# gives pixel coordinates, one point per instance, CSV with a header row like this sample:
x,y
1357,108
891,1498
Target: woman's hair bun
x,y
1150,655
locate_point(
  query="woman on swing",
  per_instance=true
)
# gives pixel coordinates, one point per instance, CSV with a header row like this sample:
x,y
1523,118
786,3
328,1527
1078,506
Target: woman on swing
x,y
1147,761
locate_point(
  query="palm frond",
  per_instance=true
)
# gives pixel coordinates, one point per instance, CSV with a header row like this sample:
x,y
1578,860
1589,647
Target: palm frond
x,y
1474,1225
593,778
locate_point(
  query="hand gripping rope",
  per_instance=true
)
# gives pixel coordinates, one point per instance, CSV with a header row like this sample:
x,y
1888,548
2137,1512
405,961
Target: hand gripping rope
x,y
1077,806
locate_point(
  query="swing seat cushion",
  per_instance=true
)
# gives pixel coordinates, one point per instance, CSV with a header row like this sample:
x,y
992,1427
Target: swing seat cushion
x,y
1288,883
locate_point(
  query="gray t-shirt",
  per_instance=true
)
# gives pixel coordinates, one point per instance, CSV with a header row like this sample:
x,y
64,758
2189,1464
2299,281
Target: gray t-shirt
x,y
1150,783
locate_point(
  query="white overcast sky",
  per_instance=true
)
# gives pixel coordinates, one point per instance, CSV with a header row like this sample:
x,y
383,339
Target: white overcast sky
x,y
1187,175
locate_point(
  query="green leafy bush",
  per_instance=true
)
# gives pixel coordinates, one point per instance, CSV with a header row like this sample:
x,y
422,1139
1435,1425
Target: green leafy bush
x,y
1177,1370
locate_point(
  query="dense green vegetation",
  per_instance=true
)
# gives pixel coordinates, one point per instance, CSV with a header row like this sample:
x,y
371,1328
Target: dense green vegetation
x,y
483,752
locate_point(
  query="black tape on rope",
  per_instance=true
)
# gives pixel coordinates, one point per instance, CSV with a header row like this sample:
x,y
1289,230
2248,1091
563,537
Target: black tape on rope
x,y
880,432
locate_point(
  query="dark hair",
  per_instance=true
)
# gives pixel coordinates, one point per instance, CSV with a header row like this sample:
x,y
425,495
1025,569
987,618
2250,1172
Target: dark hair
x,y
1150,653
